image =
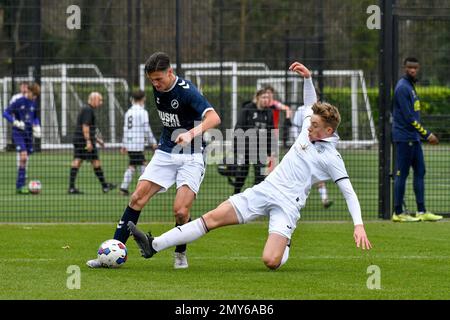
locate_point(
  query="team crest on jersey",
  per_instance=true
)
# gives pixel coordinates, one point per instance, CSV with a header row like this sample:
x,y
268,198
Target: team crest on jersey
x,y
174,104
320,148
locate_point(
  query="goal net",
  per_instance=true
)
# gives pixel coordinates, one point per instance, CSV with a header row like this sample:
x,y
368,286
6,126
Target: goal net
x,y
64,90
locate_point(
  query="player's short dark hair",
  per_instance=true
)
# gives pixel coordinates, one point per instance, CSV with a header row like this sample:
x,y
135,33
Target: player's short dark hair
x,y
138,95
159,61
410,59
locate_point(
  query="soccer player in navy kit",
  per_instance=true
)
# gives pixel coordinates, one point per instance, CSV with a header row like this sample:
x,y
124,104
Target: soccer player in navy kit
x,y
23,113
185,115
407,134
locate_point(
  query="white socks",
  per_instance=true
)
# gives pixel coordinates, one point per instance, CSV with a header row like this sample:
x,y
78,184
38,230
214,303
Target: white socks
x,y
186,233
285,257
323,193
127,177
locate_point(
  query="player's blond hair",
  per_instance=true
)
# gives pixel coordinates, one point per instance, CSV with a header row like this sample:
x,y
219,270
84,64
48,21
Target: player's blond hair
x,y
35,89
329,114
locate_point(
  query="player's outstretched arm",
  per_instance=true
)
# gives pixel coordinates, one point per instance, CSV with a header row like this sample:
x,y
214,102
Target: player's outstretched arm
x,y
360,237
299,68
354,208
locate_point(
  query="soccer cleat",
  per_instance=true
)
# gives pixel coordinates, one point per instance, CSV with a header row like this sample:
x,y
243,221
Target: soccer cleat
x,y
180,260
327,204
108,187
124,192
143,240
74,191
428,216
23,190
403,217
94,263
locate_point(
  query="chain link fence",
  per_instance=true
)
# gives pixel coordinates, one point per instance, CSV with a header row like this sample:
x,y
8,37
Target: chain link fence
x,y
228,49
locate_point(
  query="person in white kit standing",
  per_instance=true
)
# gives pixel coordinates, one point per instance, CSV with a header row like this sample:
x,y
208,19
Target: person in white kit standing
x,y
136,133
295,129
312,158
185,115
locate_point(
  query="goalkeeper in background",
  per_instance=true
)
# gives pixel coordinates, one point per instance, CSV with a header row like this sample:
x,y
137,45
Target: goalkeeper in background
x,y
407,133
23,113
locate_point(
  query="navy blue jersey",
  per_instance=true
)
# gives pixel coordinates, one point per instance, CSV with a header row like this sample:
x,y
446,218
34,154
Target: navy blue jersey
x,y
180,109
25,110
406,113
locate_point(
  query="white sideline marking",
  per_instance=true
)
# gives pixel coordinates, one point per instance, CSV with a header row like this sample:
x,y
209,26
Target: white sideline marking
x,y
25,260
323,257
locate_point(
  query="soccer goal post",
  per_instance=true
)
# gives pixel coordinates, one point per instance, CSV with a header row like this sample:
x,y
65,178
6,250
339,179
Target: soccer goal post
x,y
347,87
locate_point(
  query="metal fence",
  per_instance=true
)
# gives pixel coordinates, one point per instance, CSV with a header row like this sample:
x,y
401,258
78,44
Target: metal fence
x,y
228,49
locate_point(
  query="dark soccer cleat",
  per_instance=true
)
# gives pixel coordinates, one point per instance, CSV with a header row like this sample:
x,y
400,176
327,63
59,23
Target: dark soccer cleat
x,y
124,192
108,187
74,191
143,240
327,204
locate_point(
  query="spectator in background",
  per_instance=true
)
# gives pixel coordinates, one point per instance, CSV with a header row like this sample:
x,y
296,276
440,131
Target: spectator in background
x,y
23,114
136,132
407,133
276,107
254,115
84,141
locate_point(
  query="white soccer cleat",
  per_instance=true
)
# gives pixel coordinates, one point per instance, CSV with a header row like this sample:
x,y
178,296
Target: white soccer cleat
x,y
94,263
180,261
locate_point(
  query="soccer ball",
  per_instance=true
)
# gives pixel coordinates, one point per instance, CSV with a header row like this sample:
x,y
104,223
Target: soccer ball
x,y
35,186
112,253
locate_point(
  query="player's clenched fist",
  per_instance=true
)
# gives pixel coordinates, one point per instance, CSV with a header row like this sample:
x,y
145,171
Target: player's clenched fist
x,y
300,69
184,138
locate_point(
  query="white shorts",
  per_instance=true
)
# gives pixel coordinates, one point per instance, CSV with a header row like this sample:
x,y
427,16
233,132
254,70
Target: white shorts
x,y
166,168
259,201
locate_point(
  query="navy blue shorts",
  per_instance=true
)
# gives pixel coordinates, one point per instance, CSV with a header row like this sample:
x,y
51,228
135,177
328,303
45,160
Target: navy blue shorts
x,y
23,141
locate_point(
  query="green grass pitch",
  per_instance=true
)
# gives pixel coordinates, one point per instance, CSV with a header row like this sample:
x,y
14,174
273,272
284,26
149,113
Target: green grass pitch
x,y
226,264
413,260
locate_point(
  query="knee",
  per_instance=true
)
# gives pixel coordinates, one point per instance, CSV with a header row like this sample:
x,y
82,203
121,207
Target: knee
x,y
181,213
271,262
137,201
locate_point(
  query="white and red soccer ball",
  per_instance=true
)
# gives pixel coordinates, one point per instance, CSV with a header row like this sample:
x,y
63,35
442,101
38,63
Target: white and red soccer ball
x,y
35,186
112,253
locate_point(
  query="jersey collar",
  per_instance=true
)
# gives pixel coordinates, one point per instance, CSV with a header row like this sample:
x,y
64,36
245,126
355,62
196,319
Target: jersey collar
x,y
173,85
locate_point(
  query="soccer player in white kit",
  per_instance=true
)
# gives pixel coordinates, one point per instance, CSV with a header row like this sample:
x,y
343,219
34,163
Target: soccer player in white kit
x,y
312,158
136,132
185,115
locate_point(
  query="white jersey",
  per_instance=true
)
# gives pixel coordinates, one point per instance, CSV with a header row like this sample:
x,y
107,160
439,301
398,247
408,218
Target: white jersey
x,y
136,129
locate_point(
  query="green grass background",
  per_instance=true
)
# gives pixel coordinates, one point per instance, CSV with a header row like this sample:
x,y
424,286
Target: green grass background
x,y
225,264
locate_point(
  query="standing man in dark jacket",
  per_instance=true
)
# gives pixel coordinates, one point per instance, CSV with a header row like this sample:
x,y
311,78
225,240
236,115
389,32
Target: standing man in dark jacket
x,y
255,122
407,134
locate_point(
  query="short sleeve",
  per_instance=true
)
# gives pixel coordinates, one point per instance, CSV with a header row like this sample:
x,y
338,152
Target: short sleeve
x,y
336,167
199,103
87,116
